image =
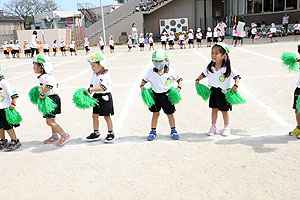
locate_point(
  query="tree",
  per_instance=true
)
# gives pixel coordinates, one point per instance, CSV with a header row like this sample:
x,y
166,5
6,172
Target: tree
x,y
27,9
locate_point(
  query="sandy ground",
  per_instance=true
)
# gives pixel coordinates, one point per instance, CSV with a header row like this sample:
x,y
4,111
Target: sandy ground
x,y
259,161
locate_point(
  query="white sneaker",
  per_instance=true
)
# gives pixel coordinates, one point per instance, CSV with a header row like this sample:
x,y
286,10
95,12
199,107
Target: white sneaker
x,y
212,130
226,132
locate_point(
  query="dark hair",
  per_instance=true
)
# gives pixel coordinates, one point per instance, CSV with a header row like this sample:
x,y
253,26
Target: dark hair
x,y
133,24
226,62
41,65
299,48
34,33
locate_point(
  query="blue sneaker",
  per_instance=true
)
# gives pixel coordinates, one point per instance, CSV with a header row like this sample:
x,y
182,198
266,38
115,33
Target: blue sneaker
x,y
13,145
152,135
174,134
3,144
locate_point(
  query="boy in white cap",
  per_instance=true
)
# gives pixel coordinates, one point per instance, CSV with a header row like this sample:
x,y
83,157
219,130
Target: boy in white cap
x,y
142,42
273,32
27,50
101,86
164,41
151,41
101,44
129,43
86,45
253,33
209,37
171,40
111,44
8,99
46,48
62,46
181,39
72,47
162,78
5,48
48,86
199,37
191,38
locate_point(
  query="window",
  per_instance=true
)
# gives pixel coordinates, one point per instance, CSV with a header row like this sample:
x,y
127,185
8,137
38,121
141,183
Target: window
x,y
257,6
279,5
268,5
291,4
249,7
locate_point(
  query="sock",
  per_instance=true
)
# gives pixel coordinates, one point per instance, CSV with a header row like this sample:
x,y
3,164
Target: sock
x,y
153,129
96,131
213,124
226,125
55,135
64,134
172,128
110,132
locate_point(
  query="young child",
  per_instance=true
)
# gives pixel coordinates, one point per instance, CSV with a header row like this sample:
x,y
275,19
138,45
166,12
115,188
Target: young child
x,y
12,48
72,47
8,99
161,78
142,42
46,48
209,37
27,50
101,86
185,39
49,87
6,50
216,35
199,37
234,34
101,44
54,48
219,73
151,41
181,39
17,48
171,40
86,45
297,30
111,44
253,33
273,33
191,38
129,43
164,41
62,46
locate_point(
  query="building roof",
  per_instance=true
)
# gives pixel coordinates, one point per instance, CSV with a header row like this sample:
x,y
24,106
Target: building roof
x,y
11,18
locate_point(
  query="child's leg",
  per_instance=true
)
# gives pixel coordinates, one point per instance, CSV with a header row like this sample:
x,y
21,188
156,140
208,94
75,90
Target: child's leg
x,y
54,126
226,117
96,121
297,117
12,134
214,115
2,135
154,120
109,123
171,120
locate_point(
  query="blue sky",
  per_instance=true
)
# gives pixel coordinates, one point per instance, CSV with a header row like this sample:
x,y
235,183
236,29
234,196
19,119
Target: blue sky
x,y
72,4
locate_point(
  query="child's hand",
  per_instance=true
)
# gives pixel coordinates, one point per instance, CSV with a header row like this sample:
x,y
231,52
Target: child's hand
x,y
42,96
12,107
234,88
142,87
297,60
197,81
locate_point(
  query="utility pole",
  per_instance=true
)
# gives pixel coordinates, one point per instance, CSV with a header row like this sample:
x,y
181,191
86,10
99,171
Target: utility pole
x,y
103,25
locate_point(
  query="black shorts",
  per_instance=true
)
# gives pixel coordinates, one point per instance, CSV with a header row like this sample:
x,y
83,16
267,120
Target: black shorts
x,y
234,37
6,52
129,46
216,39
151,44
296,32
162,102
72,50
87,48
217,100
54,50
274,35
13,51
111,47
62,49
46,50
240,38
102,47
142,45
171,42
252,36
106,106
27,51
209,39
56,99
296,95
163,42
199,40
3,122
191,41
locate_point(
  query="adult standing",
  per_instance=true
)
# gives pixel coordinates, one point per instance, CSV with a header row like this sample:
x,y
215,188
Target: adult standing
x,y
240,30
285,23
134,34
222,27
33,44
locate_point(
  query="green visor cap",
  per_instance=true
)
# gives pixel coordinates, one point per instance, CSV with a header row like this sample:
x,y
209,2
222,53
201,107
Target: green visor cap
x,y
159,54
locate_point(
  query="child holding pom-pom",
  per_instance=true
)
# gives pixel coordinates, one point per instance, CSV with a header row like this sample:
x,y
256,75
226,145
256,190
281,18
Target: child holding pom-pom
x,y
8,98
101,86
161,78
219,73
48,88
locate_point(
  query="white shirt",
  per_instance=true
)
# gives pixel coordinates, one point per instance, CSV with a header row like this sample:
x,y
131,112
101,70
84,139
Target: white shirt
x,y
209,34
62,44
217,79
273,30
86,43
222,28
103,80
162,83
4,47
216,33
285,19
72,46
141,40
181,37
171,38
134,33
33,43
253,31
16,47
163,38
47,80
111,42
297,27
54,45
27,46
45,46
240,28
199,35
6,93
151,40
101,43
191,36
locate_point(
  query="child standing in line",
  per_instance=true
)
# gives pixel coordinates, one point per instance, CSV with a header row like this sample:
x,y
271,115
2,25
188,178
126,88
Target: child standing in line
x,y
234,34
27,50
273,32
151,41
297,30
86,45
216,35
111,44
219,73
17,48
5,48
101,86
209,38
191,38
12,48
48,86
162,78
101,44
8,99
181,39
72,47
46,48
129,43
62,46
254,33
199,37
142,42
171,40
164,41
54,48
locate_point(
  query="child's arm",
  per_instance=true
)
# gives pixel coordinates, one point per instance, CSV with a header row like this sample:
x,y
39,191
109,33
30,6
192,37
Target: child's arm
x,y
199,78
179,85
236,84
44,91
13,103
142,86
95,89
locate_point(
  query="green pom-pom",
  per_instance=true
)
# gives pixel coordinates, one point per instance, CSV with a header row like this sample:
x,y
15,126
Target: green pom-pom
x,y
148,97
288,59
34,94
298,105
234,97
174,96
13,117
203,91
46,105
82,100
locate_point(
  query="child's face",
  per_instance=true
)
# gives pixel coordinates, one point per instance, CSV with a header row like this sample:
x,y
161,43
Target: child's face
x,y
37,68
96,67
216,55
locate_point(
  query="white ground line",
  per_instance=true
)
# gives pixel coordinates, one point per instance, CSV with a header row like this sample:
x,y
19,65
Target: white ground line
x,y
260,55
269,110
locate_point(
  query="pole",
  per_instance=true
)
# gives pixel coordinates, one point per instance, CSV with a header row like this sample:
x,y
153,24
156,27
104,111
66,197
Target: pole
x,y
103,25
205,13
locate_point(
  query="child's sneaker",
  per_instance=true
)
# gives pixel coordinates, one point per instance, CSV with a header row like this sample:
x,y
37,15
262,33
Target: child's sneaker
x,y
152,135
212,130
93,137
174,134
109,138
63,139
295,132
12,145
3,144
226,132
51,139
